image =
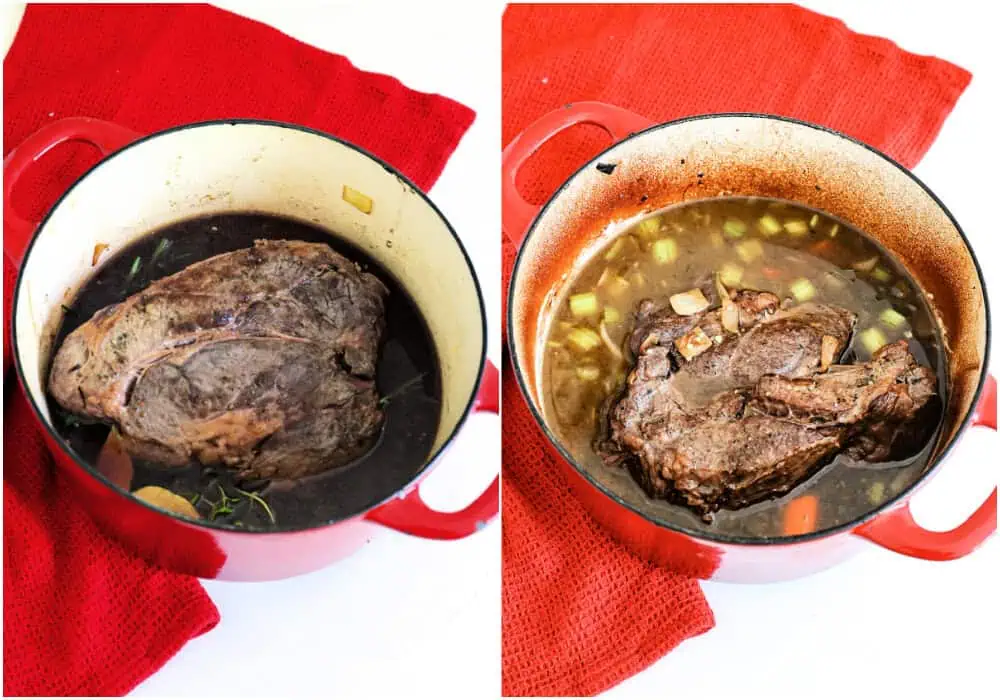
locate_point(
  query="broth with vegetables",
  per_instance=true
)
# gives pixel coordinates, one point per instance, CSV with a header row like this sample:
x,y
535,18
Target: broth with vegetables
x,y
800,255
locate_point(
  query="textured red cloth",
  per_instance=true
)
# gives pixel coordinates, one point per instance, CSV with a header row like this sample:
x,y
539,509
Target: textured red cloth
x,y
580,614
82,617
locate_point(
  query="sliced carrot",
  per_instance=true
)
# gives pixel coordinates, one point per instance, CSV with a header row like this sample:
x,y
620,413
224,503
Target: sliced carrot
x,y
823,249
800,515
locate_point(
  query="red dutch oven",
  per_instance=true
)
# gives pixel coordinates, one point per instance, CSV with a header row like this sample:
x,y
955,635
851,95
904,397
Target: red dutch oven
x,y
657,165
144,183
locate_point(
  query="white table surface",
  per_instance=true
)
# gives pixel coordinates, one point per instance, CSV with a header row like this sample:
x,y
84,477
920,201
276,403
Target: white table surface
x,y
406,617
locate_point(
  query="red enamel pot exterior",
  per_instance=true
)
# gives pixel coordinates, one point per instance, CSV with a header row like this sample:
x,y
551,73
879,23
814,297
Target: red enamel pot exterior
x,y
195,547
762,155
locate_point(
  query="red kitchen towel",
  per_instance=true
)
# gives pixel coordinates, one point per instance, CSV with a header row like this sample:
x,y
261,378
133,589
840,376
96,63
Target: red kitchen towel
x,y
580,614
82,617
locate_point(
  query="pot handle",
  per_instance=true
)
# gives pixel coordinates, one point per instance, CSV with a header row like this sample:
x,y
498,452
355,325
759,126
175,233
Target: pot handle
x,y
411,516
517,213
898,531
107,137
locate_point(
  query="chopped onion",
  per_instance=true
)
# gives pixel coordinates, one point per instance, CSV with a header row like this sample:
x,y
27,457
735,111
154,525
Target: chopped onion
x,y
827,352
768,225
361,202
583,339
617,285
866,265
693,343
689,303
584,305
588,373
665,251
611,315
834,230
730,315
610,343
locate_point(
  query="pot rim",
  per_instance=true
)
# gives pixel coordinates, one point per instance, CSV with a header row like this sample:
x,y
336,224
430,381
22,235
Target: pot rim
x,y
850,525
221,527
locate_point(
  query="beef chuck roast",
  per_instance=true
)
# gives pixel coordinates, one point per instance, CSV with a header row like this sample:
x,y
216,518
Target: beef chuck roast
x,y
261,359
757,412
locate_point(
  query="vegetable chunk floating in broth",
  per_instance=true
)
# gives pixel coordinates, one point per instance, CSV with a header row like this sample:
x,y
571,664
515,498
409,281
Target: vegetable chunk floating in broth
x,y
738,357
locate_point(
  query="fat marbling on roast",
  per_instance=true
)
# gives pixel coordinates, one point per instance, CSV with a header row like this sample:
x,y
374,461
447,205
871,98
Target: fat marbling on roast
x,y
762,408
262,359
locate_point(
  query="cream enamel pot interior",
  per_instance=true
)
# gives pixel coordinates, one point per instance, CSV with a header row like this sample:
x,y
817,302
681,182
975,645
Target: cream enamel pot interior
x,y
247,166
754,155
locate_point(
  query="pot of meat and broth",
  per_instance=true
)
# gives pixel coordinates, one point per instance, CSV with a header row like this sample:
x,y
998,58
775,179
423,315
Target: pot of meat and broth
x,y
230,335
739,331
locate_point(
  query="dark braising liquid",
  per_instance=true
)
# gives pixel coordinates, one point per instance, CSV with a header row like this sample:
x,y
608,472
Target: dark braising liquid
x,y
407,377
777,246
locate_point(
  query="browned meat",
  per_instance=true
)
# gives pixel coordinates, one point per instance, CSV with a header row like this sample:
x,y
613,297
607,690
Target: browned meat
x,y
261,359
716,431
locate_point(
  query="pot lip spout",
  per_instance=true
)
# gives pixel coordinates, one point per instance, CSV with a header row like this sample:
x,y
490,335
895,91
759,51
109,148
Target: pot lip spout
x,y
898,499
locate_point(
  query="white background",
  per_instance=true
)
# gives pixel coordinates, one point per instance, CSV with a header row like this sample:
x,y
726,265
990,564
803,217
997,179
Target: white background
x,y
406,617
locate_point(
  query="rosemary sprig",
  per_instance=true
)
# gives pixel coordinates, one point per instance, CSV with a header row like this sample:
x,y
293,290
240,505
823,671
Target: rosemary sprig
x,y
263,504
400,389
161,248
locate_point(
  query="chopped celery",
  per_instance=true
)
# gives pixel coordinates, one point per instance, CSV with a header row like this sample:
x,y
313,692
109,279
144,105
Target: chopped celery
x,y
749,250
881,274
615,250
730,274
734,228
876,493
665,251
588,373
611,315
797,227
892,318
583,339
689,303
872,339
647,227
802,289
583,305
358,200
768,225
814,221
